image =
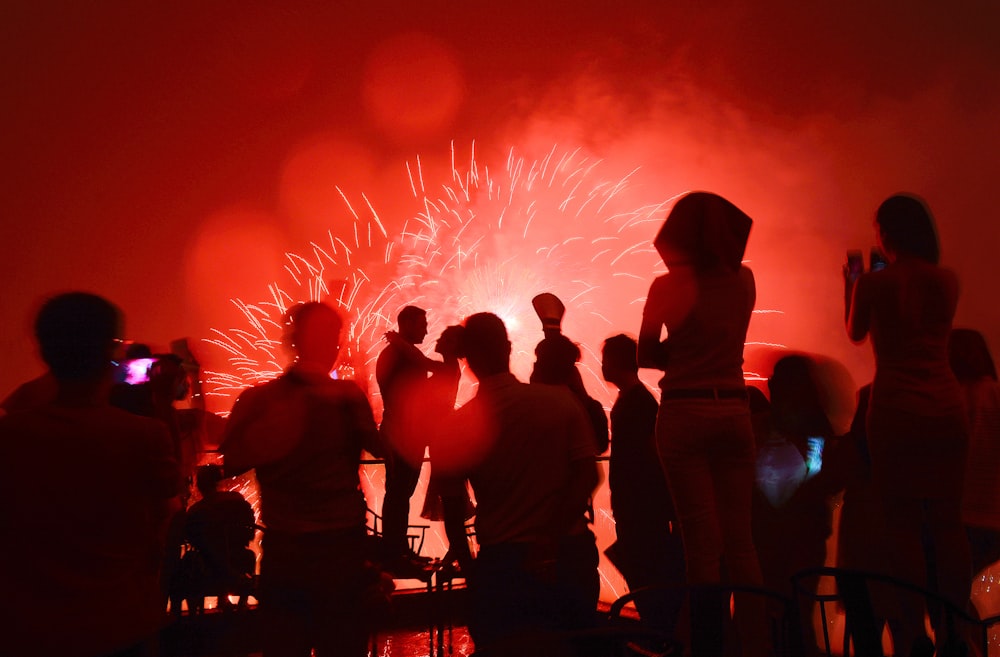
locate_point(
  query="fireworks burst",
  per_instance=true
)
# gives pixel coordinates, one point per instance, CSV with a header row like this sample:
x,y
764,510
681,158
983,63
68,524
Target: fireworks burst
x,y
481,241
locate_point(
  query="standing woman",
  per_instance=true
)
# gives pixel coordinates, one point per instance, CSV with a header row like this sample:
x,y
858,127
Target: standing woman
x,y
703,432
916,424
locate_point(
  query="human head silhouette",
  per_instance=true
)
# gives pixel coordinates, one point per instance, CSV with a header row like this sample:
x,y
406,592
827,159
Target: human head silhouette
x,y
314,333
618,359
555,360
412,324
485,345
77,334
906,227
449,343
207,479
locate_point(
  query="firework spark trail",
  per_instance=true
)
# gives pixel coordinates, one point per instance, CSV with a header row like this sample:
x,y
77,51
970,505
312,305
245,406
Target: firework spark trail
x,y
478,242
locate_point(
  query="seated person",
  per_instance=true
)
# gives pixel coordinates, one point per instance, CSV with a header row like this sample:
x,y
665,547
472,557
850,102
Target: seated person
x,y
219,528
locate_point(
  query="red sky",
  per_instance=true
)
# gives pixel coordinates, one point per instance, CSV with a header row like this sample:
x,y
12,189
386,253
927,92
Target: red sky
x,y
166,155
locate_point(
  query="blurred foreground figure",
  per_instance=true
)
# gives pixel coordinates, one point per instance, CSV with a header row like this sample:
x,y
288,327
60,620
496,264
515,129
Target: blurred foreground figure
x,y
83,526
528,451
303,433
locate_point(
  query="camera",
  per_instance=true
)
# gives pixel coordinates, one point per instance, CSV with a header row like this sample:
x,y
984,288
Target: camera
x,y
876,259
134,370
855,265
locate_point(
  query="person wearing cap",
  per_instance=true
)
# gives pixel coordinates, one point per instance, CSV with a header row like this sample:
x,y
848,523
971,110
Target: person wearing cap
x,y
556,357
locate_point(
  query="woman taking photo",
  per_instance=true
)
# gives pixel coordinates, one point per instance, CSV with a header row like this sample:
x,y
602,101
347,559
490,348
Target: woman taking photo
x,y
916,423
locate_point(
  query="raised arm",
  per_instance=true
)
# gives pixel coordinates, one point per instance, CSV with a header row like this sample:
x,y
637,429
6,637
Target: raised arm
x,y
412,355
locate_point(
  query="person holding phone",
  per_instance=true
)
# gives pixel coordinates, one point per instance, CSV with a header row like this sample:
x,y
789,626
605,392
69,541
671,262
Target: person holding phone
x,y
916,422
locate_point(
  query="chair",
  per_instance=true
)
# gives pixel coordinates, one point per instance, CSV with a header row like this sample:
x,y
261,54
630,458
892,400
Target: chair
x,y
783,621
852,590
416,537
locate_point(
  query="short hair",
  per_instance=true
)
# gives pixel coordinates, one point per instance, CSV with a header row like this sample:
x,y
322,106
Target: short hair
x,y
301,317
76,332
555,360
907,227
409,314
622,350
484,342
969,355
207,478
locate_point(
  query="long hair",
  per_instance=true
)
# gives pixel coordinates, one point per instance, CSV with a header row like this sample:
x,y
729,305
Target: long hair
x,y
907,227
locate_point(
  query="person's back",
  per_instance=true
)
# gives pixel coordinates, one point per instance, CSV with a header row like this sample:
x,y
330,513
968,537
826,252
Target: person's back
x,y
912,306
528,451
520,484
706,342
639,492
310,481
84,504
303,433
917,430
219,528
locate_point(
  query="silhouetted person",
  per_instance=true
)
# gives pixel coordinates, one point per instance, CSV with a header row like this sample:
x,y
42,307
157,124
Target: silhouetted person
x,y
862,541
303,434
917,429
219,528
704,433
792,514
973,366
556,357
528,452
84,501
648,550
31,394
401,381
447,497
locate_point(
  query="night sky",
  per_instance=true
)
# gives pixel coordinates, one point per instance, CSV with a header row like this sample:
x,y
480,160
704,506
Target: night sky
x,y
166,155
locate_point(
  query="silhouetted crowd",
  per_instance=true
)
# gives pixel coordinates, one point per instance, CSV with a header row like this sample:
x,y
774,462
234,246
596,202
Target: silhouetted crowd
x,y
723,494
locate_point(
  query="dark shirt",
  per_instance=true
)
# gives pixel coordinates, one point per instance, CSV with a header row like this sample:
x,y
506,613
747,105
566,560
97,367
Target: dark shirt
x,y
402,384
304,435
639,493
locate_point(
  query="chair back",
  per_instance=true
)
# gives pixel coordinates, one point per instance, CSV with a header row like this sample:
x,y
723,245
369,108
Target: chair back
x,y
863,625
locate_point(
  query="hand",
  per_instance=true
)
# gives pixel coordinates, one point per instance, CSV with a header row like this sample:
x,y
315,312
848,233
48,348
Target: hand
x,y
394,338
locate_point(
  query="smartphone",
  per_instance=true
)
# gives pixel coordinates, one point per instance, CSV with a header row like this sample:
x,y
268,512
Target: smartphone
x,y
814,455
136,370
855,264
876,259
